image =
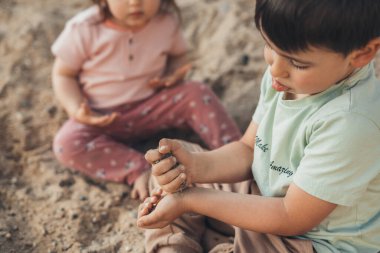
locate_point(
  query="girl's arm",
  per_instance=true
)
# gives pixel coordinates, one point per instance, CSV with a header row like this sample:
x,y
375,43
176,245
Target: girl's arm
x,y
66,87
294,214
176,70
175,62
67,90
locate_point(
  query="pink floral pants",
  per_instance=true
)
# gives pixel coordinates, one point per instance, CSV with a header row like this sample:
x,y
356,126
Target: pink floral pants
x,y
103,152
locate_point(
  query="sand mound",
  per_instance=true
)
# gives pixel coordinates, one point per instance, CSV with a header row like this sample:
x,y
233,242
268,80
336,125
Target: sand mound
x,y
47,208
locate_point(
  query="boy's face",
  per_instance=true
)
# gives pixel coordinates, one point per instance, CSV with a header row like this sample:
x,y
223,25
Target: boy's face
x,y
133,13
305,73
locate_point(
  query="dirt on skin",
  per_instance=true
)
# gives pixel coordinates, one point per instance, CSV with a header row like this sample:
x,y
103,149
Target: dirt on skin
x,y
45,207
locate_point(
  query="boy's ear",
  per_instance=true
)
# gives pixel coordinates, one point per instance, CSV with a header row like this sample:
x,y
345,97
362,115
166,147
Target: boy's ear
x,y
363,56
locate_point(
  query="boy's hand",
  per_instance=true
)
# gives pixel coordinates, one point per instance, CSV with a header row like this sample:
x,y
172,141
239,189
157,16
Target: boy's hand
x,y
84,115
159,211
170,80
171,164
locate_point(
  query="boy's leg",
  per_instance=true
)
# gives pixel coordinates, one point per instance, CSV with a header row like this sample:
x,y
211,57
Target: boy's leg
x,y
89,150
183,235
187,233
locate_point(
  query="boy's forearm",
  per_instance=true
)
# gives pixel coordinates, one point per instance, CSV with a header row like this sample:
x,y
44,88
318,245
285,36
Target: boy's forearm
x,y
228,164
251,212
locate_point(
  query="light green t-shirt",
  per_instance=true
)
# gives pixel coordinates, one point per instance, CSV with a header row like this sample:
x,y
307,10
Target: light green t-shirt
x,y
328,145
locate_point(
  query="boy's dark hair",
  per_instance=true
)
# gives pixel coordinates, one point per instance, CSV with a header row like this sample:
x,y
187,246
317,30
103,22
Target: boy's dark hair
x,y
167,6
338,25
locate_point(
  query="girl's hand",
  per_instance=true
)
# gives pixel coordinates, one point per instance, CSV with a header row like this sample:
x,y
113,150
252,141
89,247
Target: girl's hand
x,y
84,115
140,187
170,80
159,215
171,165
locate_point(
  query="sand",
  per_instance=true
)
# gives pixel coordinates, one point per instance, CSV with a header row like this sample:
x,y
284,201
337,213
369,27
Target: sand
x,y
45,207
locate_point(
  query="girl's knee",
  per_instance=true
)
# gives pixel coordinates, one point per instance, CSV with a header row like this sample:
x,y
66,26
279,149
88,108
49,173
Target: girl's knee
x,y
66,149
197,90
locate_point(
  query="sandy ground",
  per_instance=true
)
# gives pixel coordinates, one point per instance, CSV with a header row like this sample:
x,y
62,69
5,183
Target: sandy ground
x,y
45,207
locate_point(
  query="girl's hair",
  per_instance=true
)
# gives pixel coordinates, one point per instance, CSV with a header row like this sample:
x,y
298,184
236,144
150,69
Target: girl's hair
x,y
167,6
338,25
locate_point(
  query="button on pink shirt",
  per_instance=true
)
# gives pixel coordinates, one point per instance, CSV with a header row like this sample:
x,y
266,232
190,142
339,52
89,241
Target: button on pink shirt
x,y
115,65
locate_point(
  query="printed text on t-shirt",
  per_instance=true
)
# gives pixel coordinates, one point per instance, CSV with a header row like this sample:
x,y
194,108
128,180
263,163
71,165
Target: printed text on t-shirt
x,y
280,169
259,143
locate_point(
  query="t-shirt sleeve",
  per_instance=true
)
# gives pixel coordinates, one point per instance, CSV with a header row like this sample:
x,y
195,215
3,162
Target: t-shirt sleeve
x,y
341,159
179,45
262,104
70,46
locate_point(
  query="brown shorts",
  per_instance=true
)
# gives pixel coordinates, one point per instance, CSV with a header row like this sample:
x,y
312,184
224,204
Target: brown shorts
x,y
193,233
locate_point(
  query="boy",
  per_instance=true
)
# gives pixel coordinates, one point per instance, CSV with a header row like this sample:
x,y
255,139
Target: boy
x,y
312,149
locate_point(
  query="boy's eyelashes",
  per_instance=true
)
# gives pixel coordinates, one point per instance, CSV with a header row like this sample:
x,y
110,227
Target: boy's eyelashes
x,y
297,65
292,62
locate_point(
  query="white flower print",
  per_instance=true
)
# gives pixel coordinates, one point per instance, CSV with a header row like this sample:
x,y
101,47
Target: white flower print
x,y
163,97
145,111
113,163
177,97
204,129
101,173
129,126
180,121
206,99
129,165
226,139
90,146
193,104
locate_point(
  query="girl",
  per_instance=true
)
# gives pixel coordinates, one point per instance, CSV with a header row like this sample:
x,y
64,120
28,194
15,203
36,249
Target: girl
x,y
118,73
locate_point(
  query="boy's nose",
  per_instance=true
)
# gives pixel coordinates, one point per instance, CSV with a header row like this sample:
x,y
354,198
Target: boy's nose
x,y
278,68
134,2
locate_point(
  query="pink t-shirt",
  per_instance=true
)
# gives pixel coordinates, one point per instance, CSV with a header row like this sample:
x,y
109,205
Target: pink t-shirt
x,y
114,64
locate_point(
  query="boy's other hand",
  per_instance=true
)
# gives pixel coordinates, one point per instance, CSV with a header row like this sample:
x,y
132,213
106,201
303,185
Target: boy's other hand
x,y
86,116
167,209
170,165
170,80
